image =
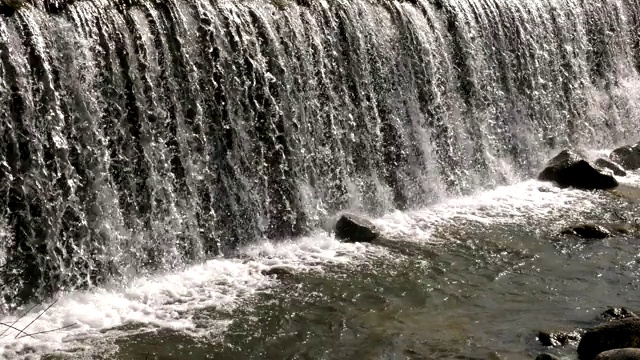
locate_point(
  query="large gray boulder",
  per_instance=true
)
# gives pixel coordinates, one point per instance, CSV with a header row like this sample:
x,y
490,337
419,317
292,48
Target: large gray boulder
x,y
620,354
615,334
628,156
353,228
567,169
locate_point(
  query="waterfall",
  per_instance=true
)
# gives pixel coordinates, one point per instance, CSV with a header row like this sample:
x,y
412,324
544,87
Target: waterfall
x,y
137,136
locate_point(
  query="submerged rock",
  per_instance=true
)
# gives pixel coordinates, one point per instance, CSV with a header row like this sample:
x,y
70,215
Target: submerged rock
x,y
567,169
620,354
628,156
615,334
587,231
545,356
608,164
560,338
277,271
352,228
616,313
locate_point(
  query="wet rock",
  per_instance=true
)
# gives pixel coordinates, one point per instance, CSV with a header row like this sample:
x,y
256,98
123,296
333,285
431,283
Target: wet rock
x,y
587,231
545,356
567,169
616,313
277,271
615,334
560,338
628,156
352,228
608,164
620,354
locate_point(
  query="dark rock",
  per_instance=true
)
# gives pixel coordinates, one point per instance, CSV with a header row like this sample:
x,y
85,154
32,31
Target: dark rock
x,y
628,156
352,228
620,354
587,231
608,164
546,356
278,272
615,334
567,169
559,338
616,313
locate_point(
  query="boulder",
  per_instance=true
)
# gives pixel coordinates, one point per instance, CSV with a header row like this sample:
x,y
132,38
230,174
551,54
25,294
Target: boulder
x,y
615,334
616,313
608,164
567,169
559,338
546,356
353,228
587,231
628,156
620,354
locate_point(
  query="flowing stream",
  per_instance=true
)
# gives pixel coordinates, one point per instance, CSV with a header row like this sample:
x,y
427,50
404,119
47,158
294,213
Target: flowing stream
x,y
157,156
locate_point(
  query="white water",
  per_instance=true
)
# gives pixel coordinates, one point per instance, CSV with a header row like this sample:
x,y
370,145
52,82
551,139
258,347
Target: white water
x,y
170,300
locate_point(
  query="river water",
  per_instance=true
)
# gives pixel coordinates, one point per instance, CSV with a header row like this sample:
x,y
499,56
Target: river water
x,y
471,278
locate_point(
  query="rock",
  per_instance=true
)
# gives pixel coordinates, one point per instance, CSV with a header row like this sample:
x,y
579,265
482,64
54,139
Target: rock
x,y
559,338
620,354
567,169
615,334
616,313
587,231
352,228
628,156
545,356
278,272
608,164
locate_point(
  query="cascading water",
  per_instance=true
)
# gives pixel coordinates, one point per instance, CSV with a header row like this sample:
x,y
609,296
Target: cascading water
x,y
142,135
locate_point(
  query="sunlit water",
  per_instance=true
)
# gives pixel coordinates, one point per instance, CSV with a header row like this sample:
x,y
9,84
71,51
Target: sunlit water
x,y
469,278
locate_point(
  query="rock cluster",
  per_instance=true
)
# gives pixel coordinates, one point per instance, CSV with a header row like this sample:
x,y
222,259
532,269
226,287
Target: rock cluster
x,y
618,338
571,169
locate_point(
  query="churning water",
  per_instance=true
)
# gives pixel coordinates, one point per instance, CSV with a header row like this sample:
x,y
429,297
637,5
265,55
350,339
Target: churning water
x,y
155,156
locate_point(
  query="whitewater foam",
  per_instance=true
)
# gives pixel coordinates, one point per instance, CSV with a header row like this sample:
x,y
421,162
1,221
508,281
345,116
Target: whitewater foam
x,y
506,204
169,300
